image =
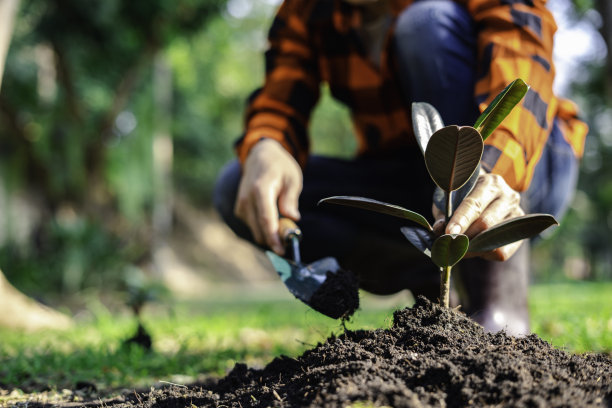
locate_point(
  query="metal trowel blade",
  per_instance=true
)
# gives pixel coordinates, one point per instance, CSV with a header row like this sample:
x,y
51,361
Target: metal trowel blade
x,y
302,280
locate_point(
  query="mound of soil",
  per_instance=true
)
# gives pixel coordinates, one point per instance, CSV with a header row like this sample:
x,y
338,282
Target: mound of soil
x,y
430,357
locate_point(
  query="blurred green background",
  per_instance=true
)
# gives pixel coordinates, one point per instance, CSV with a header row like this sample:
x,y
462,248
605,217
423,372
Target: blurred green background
x,y
115,119
116,116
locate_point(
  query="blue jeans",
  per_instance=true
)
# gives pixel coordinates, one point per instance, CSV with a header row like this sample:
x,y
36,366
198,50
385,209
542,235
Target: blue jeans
x,y
436,48
554,179
441,66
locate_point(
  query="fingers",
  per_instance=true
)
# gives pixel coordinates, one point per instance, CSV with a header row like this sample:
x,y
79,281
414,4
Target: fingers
x,y
500,209
271,182
289,199
471,207
246,210
257,208
267,217
503,253
439,220
491,202
500,254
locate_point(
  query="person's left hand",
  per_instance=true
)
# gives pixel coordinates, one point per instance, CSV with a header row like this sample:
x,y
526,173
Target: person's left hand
x,y
491,201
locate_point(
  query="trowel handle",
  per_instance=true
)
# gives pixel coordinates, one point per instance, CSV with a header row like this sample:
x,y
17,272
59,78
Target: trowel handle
x,y
288,229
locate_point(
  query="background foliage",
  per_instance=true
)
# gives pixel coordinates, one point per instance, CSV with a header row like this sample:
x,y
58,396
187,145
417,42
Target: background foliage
x,y
84,100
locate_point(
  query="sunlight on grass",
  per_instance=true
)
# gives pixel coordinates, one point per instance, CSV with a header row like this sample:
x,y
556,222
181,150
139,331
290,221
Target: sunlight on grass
x,y
190,342
573,316
193,341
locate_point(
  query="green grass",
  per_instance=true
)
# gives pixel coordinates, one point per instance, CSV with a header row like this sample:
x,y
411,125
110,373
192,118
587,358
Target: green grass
x,y
192,341
573,316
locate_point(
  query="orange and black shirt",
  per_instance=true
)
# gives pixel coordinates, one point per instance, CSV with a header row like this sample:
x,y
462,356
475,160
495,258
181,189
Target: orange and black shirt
x,y
315,41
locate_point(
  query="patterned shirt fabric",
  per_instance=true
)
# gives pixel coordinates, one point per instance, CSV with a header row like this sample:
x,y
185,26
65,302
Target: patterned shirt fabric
x,y
317,41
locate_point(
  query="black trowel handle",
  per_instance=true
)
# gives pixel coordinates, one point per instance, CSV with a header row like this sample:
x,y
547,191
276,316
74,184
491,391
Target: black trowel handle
x,y
290,234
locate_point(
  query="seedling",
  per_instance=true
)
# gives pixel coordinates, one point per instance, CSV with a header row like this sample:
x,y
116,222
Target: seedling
x,y
142,290
452,156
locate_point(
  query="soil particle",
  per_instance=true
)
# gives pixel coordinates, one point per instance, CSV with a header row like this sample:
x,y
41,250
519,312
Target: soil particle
x,y
338,296
430,357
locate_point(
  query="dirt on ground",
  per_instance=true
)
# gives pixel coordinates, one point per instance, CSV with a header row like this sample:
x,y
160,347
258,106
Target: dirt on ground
x,y
430,357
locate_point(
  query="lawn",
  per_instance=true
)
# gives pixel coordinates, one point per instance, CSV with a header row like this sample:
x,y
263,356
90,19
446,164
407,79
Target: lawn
x,y
196,340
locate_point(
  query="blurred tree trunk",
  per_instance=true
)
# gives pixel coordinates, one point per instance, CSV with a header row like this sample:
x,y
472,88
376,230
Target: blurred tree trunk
x,y
19,311
97,197
8,11
162,155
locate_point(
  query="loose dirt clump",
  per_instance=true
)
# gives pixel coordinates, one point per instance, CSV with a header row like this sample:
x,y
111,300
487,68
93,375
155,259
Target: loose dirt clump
x,y
338,296
430,357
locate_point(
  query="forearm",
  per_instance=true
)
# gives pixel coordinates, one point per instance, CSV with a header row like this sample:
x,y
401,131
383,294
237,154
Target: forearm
x,y
515,41
281,109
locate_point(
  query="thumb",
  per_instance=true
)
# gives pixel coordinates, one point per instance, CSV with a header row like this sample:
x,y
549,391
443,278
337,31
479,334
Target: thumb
x,y
288,202
439,220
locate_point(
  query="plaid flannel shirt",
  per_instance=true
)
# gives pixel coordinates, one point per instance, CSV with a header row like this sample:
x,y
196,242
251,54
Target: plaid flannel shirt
x,y
316,41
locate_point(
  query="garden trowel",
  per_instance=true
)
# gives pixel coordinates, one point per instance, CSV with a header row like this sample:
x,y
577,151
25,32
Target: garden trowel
x,y
312,283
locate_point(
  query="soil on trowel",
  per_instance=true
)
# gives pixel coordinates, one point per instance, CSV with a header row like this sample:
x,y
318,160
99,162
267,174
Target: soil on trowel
x,y
338,296
430,357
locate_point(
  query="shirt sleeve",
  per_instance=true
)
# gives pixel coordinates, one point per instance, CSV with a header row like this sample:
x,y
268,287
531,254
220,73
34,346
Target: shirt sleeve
x,y
280,110
515,40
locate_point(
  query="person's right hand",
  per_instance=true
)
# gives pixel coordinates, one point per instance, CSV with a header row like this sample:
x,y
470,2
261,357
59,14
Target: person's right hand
x,y
271,183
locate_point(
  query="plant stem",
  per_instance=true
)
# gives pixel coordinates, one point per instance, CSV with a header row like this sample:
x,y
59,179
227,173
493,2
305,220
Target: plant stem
x,y
445,286
449,205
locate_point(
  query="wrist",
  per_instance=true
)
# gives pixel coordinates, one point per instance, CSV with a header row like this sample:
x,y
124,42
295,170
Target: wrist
x,y
264,147
254,137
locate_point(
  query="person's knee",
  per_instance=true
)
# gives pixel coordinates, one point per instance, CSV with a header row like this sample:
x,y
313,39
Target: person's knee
x,y
226,189
436,48
427,25
555,177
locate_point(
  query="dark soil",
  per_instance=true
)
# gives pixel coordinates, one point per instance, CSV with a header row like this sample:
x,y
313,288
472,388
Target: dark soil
x,y
338,296
430,357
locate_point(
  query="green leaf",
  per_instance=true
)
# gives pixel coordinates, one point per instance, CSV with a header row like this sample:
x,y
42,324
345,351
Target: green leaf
x,y
420,238
458,196
378,206
511,231
425,121
501,106
449,249
452,155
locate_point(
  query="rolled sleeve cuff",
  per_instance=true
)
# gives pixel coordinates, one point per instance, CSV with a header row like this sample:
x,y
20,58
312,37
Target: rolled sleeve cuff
x,y
246,143
503,155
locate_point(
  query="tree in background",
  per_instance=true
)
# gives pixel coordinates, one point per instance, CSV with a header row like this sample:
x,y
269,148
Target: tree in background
x,y
90,86
91,60
77,118
19,310
581,249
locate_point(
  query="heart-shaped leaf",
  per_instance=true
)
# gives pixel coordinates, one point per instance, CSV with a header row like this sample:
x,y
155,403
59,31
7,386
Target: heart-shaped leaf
x,y
439,198
448,249
378,206
420,238
452,155
425,121
500,107
511,231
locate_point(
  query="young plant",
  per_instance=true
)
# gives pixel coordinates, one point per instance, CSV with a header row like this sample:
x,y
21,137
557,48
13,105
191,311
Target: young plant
x,y
452,156
142,290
